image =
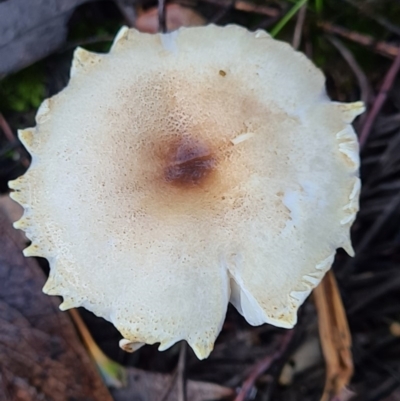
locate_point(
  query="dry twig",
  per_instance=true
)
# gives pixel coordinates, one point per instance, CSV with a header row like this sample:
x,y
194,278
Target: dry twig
x,y
264,364
223,12
6,129
8,133
384,216
162,20
362,79
363,8
170,386
182,372
178,377
383,48
247,7
127,9
380,99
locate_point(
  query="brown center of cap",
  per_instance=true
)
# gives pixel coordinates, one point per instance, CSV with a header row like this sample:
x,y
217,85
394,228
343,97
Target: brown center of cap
x,y
188,163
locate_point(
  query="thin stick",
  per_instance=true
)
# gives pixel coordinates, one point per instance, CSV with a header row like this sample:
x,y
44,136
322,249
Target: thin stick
x,y
128,11
298,30
8,133
379,222
178,377
170,386
257,9
247,7
162,22
182,373
363,83
264,365
7,129
382,48
224,11
376,17
380,99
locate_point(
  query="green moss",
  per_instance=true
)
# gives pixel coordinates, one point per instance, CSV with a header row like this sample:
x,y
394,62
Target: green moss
x,y
23,91
94,37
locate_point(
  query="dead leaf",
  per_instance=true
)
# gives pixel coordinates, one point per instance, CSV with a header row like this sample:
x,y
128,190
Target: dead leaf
x,y
306,356
41,357
149,386
177,16
334,335
31,30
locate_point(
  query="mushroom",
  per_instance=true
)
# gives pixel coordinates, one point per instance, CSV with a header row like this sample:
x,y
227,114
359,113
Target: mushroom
x,y
185,170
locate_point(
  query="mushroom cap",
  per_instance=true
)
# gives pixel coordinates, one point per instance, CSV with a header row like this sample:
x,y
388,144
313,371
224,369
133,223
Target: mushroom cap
x,y
182,171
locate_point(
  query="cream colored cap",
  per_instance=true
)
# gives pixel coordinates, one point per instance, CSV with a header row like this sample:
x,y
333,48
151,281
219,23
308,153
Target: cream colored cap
x,y
186,170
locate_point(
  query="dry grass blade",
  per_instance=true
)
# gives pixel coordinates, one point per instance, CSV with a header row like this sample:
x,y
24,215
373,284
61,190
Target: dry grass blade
x,y
334,335
298,30
113,374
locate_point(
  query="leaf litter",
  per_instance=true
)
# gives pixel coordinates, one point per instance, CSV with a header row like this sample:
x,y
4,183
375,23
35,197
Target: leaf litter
x,y
369,283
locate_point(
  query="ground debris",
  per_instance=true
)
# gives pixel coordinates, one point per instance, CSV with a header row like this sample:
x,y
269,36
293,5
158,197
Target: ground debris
x,y
41,356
